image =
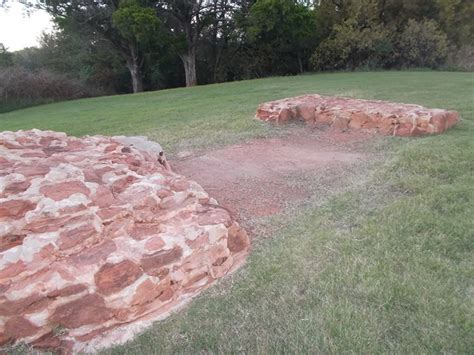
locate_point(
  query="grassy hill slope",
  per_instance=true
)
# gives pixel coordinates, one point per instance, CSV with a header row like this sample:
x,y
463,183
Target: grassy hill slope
x,y
385,266
221,113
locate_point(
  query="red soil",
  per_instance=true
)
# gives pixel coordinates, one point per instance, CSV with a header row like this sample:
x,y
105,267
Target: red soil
x,y
260,177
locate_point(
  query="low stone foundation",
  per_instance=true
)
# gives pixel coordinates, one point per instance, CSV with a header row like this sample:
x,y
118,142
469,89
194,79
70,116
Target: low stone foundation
x,y
384,117
98,238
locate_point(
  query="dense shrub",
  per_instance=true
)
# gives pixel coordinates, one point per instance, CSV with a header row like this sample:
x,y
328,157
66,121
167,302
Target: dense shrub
x,y
461,59
422,44
20,87
351,46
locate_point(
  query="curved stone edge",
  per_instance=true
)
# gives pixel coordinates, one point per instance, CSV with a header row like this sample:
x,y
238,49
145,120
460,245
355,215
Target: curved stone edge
x,y
122,334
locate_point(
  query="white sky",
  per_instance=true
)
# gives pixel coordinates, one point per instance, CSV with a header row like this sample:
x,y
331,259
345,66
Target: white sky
x,y
19,30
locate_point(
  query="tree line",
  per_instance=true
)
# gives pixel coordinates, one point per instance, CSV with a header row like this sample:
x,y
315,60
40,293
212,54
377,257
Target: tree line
x,y
118,46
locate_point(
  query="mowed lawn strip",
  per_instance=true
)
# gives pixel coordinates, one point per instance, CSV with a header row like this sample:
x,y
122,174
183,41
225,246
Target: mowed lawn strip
x,y
385,266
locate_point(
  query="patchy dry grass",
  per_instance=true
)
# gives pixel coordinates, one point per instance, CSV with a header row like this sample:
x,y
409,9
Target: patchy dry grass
x,y
385,264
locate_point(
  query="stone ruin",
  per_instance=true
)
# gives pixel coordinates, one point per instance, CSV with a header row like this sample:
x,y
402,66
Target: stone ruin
x,y
98,238
342,113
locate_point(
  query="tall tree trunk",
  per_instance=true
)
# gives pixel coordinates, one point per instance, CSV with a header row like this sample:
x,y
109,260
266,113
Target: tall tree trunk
x,y
300,63
189,62
134,65
214,42
137,77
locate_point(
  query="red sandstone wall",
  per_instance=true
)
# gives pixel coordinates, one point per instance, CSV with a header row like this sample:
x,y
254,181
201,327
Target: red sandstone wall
x,y
383,117
98,239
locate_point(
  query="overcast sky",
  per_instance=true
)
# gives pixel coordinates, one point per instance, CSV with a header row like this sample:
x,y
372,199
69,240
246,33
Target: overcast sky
x,y
18,30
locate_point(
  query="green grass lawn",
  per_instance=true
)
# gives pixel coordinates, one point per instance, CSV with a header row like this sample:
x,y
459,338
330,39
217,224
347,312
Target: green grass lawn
x,y
387,265
221,114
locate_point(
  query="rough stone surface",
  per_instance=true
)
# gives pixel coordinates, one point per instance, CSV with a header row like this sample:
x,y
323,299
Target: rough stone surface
x,y
341,113
98,238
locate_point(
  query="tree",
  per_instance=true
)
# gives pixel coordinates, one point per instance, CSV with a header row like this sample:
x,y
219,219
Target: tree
x,y
5,57
398,12
352,46
359,39
284,27
122,45
93,20
455,19
423,44
185,21
217,36
139,26
95,62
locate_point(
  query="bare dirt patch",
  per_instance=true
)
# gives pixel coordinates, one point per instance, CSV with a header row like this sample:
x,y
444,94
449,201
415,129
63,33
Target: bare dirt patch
x,y
260,178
